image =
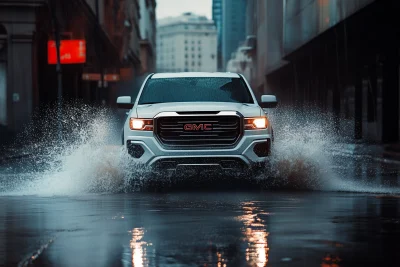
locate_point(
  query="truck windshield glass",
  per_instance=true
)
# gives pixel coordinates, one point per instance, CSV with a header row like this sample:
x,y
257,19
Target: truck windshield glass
x,y
195,90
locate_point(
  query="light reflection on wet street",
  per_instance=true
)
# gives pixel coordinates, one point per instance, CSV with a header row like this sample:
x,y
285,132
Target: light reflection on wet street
x,y
204,228
352,219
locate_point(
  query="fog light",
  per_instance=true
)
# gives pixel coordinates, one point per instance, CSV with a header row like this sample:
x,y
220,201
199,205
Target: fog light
x,y
135,150
262,149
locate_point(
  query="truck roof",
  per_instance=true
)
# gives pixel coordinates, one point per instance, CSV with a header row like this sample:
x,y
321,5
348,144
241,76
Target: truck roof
x,y
195,74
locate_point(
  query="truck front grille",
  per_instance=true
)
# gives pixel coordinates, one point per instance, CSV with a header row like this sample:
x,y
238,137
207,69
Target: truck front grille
x,y
198,131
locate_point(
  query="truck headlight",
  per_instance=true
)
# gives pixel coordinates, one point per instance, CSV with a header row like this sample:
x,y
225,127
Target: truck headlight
x,y
256,123
141,124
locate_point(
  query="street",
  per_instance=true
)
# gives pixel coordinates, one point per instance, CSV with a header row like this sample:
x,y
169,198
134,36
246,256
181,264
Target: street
x,y
82,202
349,216
201,229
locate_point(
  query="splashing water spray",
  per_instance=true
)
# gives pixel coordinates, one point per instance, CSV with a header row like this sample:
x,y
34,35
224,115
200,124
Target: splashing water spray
x,y
90,158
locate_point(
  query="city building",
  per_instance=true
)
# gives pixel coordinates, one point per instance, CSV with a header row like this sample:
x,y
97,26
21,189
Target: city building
x,y
147,25
186,43
217,18
340,56
99,48
234,27
241,63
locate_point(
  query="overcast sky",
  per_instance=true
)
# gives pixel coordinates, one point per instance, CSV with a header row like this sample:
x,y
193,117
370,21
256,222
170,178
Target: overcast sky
x,y
172,8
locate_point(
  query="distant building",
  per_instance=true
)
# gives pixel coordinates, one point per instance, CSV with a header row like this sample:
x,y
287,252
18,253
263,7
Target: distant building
x,y
186,43
241,63
217,18
234,27
110,41
147,25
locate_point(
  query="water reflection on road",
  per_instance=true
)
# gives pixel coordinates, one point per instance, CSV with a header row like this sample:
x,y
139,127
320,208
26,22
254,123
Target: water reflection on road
x,y
255,234
318,227
202,229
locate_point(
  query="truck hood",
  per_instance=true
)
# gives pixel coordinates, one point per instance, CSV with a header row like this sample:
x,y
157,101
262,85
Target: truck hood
x,y
151,110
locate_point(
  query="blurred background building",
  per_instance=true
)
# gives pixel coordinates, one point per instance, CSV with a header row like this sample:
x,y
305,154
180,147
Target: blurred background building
x,y
233,27
186,43
217,18
339,56
148,35
103,42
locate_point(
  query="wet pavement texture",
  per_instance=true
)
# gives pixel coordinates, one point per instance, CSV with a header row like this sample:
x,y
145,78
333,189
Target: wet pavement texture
x,y
201,229
352,219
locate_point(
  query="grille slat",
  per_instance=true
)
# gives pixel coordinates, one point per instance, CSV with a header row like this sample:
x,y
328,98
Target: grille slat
x,y
225,131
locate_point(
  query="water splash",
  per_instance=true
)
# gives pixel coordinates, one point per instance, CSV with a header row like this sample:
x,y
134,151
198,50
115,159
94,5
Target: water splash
x,y
87,159
305,154
90,158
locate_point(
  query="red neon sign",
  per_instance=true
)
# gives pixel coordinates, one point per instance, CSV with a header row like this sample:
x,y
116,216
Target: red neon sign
x,y
71,52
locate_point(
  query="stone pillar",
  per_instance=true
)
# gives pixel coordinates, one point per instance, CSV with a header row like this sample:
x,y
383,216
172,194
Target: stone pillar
x,y
390,95
379,102
20,80
364,107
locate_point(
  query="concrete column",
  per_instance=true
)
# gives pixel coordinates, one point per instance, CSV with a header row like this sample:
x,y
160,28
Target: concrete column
x,y
399,97
379,103
390,95
358,103
20,81
364,88
3,91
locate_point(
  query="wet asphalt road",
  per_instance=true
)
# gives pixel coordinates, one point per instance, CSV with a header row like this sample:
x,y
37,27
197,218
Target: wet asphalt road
x,y
235,227
201,229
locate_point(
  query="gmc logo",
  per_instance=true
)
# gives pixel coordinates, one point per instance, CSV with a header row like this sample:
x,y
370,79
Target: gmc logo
x,y
198,127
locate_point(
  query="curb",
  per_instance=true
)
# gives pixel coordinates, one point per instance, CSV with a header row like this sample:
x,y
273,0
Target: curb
x,y
8,158
382,155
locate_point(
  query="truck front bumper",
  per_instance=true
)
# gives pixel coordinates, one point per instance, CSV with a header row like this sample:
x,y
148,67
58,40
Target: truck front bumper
x,y
252,149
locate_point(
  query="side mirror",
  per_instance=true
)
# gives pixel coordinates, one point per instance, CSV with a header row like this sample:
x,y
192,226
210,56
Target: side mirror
x,y
124,102
268,101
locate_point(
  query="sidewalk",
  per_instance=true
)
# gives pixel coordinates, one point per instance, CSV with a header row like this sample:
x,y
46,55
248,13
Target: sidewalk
x,y
379,152
8,154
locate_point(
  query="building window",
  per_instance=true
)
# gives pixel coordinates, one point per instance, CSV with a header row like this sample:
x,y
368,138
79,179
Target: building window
x,y
186,27
186,41
199,42
193,64
192,48
186,49
199,64
199,55
186,55
186,64
192,55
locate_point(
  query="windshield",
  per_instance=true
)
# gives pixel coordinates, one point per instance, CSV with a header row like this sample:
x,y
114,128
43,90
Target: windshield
x,y
195,89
